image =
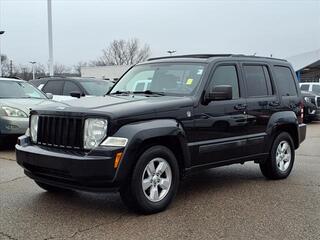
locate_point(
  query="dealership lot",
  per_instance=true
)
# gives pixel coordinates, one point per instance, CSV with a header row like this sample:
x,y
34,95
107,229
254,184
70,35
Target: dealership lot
x,y
233,202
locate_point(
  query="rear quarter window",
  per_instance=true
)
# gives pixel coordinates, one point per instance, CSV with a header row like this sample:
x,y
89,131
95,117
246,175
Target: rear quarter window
x,y
285,81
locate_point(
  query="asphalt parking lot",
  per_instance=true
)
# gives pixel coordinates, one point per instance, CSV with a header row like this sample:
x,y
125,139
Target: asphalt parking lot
x,y
233,202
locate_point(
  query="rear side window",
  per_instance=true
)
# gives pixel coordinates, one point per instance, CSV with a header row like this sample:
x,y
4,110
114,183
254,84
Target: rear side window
x,y
285,81
70,87
54,87
258,81
226,75
304,87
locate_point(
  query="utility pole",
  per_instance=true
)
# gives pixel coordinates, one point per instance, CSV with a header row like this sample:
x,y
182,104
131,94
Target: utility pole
x,y
11,70
1,32
50,38
33,71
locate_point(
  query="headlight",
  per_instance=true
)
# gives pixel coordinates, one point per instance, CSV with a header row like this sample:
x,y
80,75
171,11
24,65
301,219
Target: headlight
x,y
14,112
34,128
95,130
307,99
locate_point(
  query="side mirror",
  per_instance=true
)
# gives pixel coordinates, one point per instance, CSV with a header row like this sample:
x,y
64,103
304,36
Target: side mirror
x,y
76,94
219,92
49,95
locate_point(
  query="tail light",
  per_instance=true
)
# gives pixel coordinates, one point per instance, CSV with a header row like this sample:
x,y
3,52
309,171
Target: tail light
x,y
300,119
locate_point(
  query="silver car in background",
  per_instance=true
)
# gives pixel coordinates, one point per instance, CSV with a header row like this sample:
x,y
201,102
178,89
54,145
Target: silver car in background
x,y
17,97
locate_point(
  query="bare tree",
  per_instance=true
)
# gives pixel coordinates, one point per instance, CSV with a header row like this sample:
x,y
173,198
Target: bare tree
x,y
60,69
77,67
123,52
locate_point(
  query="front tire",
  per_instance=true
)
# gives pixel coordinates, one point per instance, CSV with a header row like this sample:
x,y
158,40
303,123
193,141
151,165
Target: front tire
x,y
280,162
154,181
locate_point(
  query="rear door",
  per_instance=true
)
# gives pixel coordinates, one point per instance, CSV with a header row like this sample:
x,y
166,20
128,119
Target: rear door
x,y
287,88
262,102
220,125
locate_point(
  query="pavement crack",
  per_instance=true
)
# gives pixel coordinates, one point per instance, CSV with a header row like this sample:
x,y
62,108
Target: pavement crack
x,y
8,236
17,178
97,225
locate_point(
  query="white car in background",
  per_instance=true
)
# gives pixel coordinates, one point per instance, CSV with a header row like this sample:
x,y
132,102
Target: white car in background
x,y
314,88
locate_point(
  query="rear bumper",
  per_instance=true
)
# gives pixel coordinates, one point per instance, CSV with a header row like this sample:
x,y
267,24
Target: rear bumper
x,y
92,171
302,131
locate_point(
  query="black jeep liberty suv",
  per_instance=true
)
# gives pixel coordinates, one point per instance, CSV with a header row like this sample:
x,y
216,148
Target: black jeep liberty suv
x,y
165,118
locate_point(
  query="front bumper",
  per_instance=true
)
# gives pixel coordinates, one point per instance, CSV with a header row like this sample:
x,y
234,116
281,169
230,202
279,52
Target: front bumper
x,y
13,125
93,171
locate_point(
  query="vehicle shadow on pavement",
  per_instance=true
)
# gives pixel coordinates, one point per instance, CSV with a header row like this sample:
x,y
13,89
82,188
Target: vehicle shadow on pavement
x,y
105,204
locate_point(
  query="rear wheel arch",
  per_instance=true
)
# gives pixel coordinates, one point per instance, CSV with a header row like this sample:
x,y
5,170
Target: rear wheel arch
x,y
291,129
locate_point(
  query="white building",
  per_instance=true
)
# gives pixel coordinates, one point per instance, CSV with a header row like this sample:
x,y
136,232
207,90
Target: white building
x,y
104,72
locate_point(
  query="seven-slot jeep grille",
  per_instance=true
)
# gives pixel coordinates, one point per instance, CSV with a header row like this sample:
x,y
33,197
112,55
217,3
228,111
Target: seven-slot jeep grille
x,y
58,131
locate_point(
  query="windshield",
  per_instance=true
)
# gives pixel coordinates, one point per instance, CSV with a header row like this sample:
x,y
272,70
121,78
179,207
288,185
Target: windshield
x,y
15,89
97,87
165,78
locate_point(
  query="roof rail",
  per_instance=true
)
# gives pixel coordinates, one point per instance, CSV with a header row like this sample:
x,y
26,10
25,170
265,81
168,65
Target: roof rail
x,y
214,55
191,56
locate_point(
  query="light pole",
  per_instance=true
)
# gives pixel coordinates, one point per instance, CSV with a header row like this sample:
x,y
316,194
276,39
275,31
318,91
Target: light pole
x,y
50,38
171,52
33,71
1,32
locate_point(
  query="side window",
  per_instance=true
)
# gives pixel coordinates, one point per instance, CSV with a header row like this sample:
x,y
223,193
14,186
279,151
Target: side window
x,y
316,89
226,75
70,87
54,87
285,81
258,80
304,87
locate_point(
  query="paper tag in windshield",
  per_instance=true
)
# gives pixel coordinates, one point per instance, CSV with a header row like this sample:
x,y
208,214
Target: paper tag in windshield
x,y
189,81
200,71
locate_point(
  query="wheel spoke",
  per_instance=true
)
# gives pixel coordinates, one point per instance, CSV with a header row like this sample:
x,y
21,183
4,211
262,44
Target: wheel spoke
x,y
150,168
164,183
281,165
284,147
161,167
146,183
154,194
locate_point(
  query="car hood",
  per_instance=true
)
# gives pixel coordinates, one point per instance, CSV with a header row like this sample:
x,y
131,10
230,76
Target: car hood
x,y
25,104
120,106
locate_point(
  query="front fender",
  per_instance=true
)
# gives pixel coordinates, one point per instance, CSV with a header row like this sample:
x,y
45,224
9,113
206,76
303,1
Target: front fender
x,y
139,132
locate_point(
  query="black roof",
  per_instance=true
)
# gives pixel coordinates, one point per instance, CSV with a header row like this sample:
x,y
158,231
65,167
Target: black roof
x,y
66,78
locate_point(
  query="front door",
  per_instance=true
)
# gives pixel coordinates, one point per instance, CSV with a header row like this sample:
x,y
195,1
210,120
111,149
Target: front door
x,y
220,125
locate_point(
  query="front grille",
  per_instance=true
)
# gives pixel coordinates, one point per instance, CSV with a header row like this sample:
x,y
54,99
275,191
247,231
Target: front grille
x,y
62,132
318,102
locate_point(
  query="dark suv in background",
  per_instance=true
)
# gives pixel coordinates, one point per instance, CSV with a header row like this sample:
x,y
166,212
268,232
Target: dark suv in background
x,y
64,88
198,112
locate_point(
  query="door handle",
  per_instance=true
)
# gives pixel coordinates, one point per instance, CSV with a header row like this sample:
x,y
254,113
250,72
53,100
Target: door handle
x,y
274,103
240,106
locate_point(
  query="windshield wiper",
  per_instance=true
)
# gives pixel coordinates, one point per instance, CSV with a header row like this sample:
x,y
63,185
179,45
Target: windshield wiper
x,y
120,92
149,92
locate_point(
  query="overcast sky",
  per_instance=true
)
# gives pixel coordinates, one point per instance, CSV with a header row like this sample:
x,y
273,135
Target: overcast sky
x,y
81,29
